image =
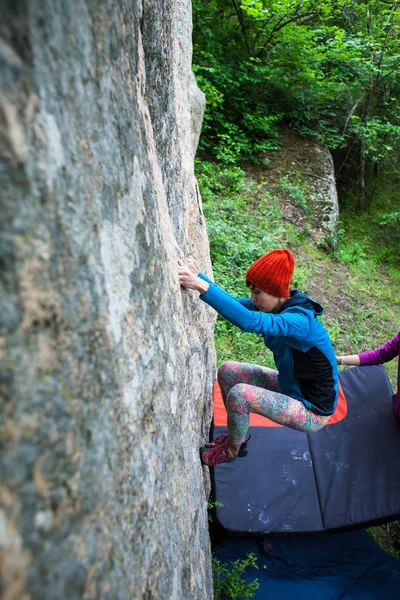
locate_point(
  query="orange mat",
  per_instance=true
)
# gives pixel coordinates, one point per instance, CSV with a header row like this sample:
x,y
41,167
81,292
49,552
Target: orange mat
x,y
259,421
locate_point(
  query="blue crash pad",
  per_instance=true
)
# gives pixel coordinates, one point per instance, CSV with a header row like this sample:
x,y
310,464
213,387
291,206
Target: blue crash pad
x,y
322,566
345,476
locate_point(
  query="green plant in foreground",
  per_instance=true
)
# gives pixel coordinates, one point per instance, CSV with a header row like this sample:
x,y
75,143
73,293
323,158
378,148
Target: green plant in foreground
x,y
228,583
210,506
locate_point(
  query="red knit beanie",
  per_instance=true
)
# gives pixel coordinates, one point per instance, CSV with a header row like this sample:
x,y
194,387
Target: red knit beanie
x,y
272,273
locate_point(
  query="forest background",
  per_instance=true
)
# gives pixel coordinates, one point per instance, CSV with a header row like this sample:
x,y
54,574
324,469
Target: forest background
x,y
327,70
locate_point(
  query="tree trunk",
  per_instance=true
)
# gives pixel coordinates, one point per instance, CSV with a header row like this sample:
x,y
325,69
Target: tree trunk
x,y
361,198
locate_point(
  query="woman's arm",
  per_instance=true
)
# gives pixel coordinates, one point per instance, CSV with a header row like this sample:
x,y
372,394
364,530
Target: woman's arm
x,y
188,278
294,324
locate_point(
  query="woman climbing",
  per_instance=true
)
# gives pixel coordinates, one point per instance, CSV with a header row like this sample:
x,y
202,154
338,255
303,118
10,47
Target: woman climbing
x,y
303,392
381,355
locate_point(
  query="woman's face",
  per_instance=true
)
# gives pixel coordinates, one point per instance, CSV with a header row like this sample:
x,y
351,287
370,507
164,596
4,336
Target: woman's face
x,y
265,302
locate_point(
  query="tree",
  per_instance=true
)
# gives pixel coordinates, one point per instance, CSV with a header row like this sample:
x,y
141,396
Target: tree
x,y
374,125
328,68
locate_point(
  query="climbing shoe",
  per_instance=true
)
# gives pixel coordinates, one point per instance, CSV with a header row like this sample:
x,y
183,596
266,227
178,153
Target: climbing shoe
x,y
221,441
213,456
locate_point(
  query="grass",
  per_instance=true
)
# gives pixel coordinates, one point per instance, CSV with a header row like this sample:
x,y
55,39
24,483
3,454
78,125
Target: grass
x,y
372,239
358,284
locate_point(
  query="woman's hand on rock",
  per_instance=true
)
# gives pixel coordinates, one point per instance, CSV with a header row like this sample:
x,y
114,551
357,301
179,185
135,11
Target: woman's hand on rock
x,y
188,277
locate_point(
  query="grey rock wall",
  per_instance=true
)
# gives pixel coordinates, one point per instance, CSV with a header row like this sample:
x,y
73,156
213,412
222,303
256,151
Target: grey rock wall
x,y
107,364
309,161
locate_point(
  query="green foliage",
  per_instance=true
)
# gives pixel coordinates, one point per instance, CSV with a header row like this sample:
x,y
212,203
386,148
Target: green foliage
x,y
353,253
296,191
216,179
331,241
372,235
212,504
231,343
328,68
390,218
243,222
228,582
378,135
386,535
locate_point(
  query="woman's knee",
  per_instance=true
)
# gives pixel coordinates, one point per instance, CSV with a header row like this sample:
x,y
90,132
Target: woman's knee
x,y
236,400
229,366
227,369
313,426
318,426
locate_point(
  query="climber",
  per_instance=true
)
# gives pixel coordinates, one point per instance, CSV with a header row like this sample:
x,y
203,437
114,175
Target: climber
x,y
303,392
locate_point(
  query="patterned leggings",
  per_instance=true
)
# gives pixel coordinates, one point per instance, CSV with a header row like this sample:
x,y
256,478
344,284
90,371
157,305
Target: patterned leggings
x,y
250,388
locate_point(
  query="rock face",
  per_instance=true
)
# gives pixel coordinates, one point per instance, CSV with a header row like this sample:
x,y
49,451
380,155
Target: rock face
x,y
306,163
107,364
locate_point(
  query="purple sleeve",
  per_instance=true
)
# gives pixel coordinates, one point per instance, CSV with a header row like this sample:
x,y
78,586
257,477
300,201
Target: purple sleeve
x,y
382,354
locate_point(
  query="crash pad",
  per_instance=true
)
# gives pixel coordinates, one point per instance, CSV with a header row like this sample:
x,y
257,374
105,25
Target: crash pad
x,y
347,475
339,566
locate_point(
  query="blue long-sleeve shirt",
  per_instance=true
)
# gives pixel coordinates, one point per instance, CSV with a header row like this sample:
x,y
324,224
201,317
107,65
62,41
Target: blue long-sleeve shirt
x,y
302,350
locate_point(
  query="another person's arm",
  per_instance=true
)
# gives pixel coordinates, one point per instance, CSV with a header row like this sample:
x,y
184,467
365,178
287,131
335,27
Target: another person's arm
x,y
375,357
349,360
383,354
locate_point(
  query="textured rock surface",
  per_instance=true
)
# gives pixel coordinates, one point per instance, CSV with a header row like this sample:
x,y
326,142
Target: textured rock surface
x,y
309,161
107,364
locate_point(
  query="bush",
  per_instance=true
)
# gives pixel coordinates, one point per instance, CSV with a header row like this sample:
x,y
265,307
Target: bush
x,y
228,582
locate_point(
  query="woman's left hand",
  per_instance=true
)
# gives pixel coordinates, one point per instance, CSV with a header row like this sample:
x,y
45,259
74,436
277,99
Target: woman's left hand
x,y
188,277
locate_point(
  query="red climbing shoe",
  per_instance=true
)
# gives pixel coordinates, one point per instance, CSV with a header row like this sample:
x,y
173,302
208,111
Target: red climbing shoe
x,y
214,456
221,441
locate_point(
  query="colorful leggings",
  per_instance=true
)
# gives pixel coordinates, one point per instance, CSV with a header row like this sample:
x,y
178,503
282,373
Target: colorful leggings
x,y
250,388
